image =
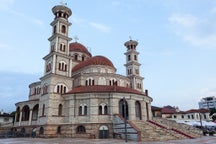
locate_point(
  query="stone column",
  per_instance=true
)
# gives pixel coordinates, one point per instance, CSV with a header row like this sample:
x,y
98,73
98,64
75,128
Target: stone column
x,y
30,117
131,109
20,118
54,65
15,119
70,65
144,112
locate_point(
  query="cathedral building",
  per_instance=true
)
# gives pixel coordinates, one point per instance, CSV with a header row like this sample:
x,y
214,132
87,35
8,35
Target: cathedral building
x,y
80,94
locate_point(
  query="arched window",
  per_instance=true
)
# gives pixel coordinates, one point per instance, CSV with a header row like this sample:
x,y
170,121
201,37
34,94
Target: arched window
x,y
113,82
80,110
35,112
62,66
90,81
103,109
83,58
128,57
83,109
41,131
60,110
62,47
59,130
80,129
135,57
63,29
100,110
60,88
35,91
38,90
75,57
17,114
123,105
25,113
43,110
65,15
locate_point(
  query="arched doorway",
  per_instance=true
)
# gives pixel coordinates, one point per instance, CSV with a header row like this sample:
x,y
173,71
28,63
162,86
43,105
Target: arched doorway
x,y
122,110
35,112
103,132
17,114
41,131
25,113
138,110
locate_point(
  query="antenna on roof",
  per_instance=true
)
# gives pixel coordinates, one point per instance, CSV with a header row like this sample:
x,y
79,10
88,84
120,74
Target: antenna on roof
x,y
76,38
130,37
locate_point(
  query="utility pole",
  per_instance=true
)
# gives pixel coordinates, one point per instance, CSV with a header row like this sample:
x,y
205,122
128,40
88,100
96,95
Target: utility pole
x,y
125,118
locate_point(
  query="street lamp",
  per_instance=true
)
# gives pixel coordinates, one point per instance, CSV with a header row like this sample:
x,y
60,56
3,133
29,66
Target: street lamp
x,y
125,119
200,118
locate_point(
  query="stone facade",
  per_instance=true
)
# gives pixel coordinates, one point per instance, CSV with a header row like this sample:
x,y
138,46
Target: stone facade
x,y
79,94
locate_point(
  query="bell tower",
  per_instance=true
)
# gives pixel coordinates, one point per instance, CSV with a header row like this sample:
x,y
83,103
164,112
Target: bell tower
x,y
58,61
58,64
132,65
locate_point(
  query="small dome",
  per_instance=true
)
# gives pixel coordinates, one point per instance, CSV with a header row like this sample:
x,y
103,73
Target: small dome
x,y
96,60
77,47
63,9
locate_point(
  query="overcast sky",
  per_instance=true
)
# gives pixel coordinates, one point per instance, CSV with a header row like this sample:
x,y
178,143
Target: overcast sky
x,y
177,44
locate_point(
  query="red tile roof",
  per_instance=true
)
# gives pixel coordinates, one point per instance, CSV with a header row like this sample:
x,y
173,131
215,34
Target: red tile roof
x,y
168,111
198,111
96,60
103,88
77,47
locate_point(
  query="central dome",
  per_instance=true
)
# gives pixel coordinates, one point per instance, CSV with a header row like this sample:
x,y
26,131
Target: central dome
x,y
78,47
96,60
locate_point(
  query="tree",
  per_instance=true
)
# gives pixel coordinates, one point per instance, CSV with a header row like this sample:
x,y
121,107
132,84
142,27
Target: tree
x,y
213,114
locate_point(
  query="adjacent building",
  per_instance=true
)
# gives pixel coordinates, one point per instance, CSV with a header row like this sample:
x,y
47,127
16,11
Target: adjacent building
x,y
5,119
79,93
173,113
208,102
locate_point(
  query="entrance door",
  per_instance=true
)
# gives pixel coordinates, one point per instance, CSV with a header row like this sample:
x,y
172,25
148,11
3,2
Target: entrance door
x,y
122,105
103,132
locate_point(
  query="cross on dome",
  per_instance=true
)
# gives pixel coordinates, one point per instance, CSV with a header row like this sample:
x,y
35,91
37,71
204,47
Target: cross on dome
x,y
76,38
63,3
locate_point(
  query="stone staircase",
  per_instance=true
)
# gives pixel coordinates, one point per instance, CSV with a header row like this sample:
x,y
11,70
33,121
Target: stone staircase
x,y
183,129
133,133
155,131
151,132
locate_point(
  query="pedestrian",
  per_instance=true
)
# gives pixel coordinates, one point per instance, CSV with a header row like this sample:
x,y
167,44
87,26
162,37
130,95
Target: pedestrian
x,y
34,132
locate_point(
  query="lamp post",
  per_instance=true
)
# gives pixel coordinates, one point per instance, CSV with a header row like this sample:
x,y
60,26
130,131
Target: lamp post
x,y
200,118
125,122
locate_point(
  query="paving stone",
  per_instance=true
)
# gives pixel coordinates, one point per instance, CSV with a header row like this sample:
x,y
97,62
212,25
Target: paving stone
x,y
202,140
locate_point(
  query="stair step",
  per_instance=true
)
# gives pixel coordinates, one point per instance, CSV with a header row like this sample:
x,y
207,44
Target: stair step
x,y
155,132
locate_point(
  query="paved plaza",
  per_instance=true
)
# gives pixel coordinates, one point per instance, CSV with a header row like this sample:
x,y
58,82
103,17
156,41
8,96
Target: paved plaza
x,y
202,140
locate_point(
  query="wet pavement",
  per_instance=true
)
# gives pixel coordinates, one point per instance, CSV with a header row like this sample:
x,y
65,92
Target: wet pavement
x,y
202,140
